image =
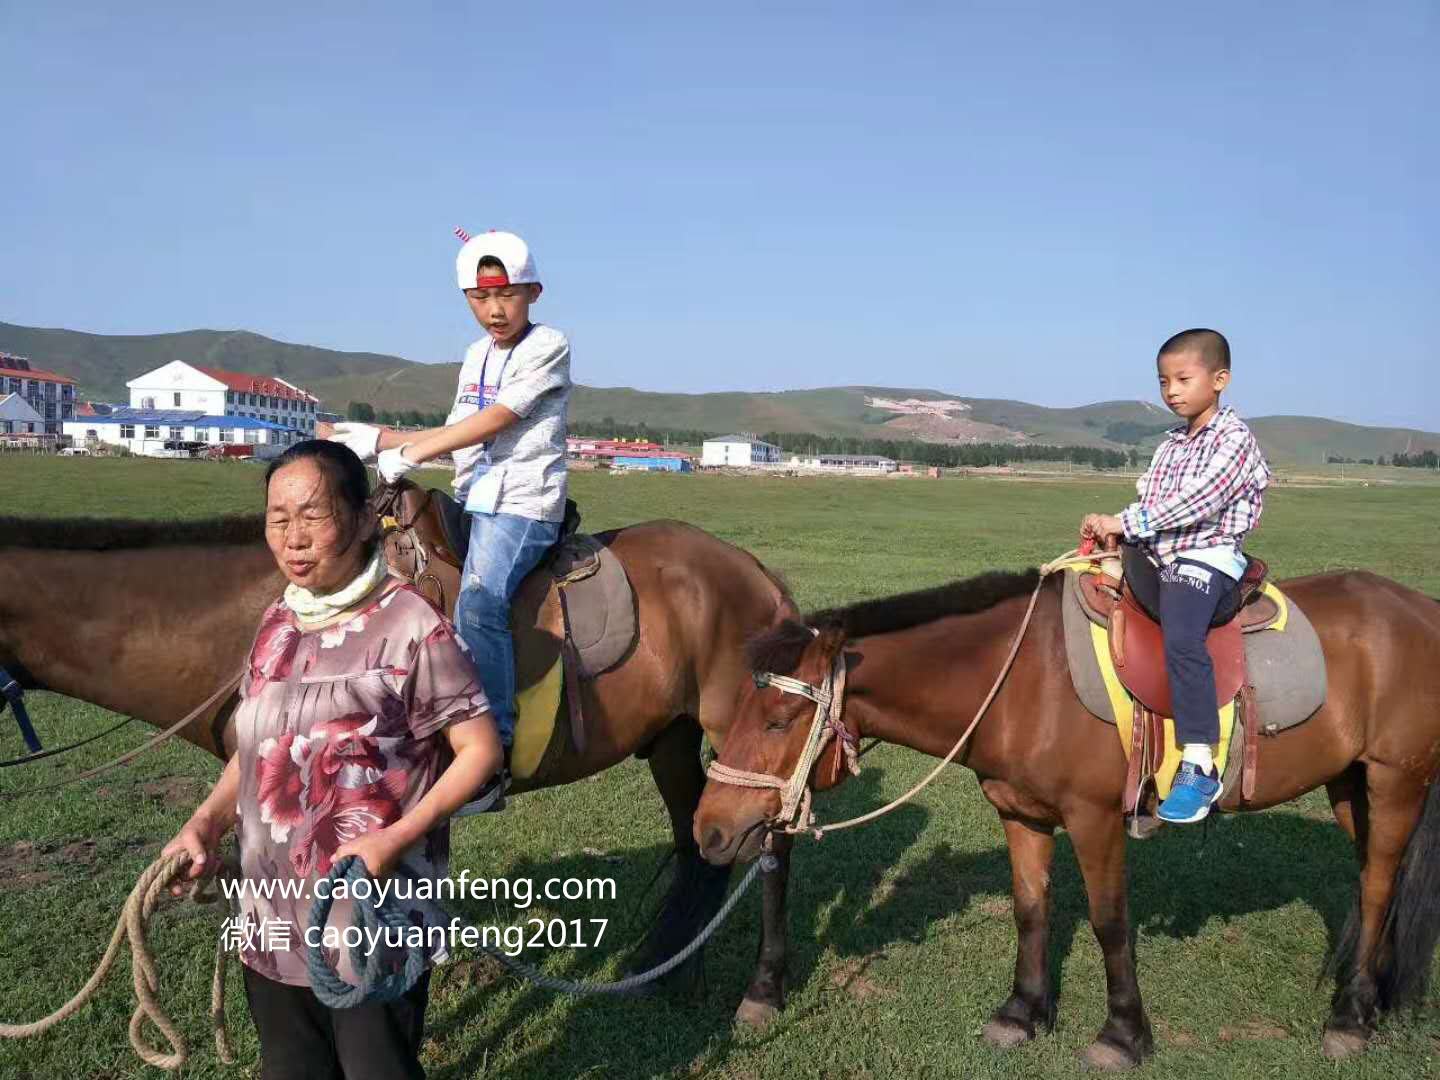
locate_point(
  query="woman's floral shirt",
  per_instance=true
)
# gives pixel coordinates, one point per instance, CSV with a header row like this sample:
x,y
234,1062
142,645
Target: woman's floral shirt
x,y
338,735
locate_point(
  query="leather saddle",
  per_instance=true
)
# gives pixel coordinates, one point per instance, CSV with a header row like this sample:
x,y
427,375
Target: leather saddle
x,y
1137,649
1137,644
426,534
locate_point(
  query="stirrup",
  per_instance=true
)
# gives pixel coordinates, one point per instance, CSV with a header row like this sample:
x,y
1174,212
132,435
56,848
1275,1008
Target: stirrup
x,y
491,799
1140,826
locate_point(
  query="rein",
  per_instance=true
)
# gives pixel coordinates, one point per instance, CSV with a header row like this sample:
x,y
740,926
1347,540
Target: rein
x,y
795,815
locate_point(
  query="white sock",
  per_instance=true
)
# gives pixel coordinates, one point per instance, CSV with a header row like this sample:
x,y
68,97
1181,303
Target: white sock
x,y
1199,755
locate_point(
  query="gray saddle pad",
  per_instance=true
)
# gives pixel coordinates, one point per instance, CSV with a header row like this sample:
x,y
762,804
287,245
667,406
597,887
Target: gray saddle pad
x,y
1286,667
599,601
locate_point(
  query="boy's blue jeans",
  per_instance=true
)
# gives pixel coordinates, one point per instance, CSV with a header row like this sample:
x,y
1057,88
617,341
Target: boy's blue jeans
x,y
503,549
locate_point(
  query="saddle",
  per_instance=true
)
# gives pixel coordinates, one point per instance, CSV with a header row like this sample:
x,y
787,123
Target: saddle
x,y
1108,626
1137,644
426,534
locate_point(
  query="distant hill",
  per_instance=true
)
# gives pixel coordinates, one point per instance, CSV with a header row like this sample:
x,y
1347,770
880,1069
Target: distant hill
x,y
104,362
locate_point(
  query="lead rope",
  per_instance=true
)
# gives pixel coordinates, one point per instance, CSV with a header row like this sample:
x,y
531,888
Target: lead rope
x,y
131,755
377,985
133,922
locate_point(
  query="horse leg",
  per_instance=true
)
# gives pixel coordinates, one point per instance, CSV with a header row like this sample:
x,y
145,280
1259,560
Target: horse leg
x,y
1031,1004
698,889
1098,835
1394,800
765,996
1347,803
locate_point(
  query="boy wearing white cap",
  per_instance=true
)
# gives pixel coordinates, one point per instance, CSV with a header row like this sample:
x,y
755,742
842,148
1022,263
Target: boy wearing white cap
x,y
506,432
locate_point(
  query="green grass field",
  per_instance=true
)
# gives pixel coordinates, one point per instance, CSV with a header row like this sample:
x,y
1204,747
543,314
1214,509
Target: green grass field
x,y
901,933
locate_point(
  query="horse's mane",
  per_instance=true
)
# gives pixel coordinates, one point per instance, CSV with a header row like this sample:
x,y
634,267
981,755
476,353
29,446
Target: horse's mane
x,y
779,649
106,534
787,597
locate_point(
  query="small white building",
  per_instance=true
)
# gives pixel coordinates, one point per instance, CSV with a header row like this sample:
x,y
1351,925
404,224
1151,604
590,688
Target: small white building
x,y
157,432
19,417
857,463
739,450
211,392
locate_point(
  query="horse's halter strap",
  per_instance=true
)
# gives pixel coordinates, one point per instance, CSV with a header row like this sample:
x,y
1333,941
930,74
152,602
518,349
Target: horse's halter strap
x,y
795,814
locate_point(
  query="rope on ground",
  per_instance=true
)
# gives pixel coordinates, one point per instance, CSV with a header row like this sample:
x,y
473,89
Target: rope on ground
x,y
133,922
339,994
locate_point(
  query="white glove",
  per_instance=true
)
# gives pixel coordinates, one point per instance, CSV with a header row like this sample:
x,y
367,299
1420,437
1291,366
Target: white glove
x,y
393,464
364,439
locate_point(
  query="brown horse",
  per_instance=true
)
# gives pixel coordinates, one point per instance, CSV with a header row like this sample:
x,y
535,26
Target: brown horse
x,y
919,666
151,618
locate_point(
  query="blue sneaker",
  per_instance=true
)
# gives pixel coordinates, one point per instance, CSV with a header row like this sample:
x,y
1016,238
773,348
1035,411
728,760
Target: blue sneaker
x,y
1191,796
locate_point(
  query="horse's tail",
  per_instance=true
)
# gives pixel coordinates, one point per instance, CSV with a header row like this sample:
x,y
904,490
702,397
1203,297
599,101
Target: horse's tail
x,y
1411,928
1412,922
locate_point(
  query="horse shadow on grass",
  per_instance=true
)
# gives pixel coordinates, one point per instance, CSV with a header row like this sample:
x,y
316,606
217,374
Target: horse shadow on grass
x,y
1179,880
841,899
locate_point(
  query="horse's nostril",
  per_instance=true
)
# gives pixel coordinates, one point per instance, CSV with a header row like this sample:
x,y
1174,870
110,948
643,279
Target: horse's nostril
x,y
714,842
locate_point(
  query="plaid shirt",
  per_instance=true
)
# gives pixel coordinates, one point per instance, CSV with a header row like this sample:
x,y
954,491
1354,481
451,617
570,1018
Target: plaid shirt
x,y
1199,492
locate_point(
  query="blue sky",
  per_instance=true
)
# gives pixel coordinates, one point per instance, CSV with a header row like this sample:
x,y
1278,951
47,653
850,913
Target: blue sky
x,y
1001,200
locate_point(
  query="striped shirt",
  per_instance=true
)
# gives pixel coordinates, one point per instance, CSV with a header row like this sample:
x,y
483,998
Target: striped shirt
x,y
522,470
1201,495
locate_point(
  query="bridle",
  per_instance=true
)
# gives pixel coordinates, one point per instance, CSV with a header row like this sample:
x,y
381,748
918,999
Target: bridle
x,y
795,814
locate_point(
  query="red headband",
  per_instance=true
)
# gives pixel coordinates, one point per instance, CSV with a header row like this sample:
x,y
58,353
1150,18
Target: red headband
x,y
491,282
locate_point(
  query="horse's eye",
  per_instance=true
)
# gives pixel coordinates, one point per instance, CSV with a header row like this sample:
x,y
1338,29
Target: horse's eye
x,y
780,721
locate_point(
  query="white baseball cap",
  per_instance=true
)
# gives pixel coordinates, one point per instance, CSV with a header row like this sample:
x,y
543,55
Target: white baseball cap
x,y
508,248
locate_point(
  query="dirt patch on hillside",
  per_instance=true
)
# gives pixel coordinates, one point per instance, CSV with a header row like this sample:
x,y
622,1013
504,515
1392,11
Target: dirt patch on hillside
x,y
952,429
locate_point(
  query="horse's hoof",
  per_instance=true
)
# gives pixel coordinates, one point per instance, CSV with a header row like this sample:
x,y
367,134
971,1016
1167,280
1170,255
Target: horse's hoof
x,y
1338,1045
756,1014
1004,1034
1107,1057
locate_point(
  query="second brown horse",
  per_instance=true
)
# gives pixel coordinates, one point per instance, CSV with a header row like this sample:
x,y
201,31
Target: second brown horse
x,y
919,667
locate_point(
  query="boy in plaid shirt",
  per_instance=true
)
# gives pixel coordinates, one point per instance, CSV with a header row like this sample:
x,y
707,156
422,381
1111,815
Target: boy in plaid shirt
x,y
1198,500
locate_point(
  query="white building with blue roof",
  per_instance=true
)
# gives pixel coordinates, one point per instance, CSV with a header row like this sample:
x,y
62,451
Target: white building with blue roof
x,y
161,432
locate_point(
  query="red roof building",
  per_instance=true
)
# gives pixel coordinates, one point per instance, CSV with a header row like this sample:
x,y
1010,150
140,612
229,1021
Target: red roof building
x,y
257,384
49,394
